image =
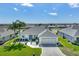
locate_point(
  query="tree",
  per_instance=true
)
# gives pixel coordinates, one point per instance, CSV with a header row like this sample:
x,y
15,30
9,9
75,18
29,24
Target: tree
x,y
20,25
13,26
17,26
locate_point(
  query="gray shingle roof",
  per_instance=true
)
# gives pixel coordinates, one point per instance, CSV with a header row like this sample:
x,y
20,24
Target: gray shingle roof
x,y
47,33
33,31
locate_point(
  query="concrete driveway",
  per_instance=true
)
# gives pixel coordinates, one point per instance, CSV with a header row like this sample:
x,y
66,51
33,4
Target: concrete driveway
x,y
51,51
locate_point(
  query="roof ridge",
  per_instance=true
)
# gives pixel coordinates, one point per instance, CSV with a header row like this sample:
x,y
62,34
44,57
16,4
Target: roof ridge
x,y
44,33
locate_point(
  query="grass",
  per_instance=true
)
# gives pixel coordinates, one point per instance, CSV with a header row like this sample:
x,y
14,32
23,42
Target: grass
x,y
68,48
26,51
1,37
54,30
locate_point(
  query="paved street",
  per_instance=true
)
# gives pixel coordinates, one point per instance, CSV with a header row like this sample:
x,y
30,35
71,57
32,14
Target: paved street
x,y
51,51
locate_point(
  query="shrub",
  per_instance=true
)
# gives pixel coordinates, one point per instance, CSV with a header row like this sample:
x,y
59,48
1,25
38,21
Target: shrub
x,y
18,46
76,43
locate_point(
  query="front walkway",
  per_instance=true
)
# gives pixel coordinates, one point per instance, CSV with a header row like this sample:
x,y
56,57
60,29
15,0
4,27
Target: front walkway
x,y
51,51
33,45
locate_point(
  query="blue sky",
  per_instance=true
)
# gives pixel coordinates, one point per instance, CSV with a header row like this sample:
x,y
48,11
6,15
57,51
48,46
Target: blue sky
x,y
39,12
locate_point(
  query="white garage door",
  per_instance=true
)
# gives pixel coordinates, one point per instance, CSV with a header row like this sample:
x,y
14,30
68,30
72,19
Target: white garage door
x,y
48,41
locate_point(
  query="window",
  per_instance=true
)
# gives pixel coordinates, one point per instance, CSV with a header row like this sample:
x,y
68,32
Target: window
x,y
77,38
30,37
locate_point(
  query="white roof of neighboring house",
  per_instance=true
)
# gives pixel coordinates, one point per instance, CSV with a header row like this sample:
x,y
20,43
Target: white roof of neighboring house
x,y
73,31
75,26
4,32
77,33
69,31
34,30
47,33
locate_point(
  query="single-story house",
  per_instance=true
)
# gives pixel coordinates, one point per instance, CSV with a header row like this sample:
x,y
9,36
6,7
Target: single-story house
x,y
45,35
71,34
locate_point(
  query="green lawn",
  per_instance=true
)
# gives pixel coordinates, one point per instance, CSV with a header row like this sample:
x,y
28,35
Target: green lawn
x,y
0,37
26,51
54,30
68,48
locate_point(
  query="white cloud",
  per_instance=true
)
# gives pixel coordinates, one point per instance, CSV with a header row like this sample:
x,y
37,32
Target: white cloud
x,y
27,4
74,5
15,9
53,13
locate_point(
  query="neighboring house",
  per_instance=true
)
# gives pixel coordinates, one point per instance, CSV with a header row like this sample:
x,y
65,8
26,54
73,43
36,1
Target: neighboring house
x,y
5,35
72,34
47,37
